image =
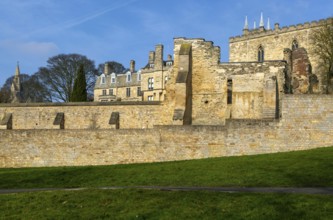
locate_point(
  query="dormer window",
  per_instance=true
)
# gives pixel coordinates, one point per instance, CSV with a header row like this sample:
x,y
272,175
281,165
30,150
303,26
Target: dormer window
x,y
151,65
128,77
294,45
169,63
113,78
102,79
261,54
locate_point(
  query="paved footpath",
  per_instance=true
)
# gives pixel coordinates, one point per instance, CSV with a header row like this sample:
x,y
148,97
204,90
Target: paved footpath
x,y
323,191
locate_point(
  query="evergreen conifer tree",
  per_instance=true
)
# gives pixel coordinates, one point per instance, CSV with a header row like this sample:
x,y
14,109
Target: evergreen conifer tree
x,y
79,93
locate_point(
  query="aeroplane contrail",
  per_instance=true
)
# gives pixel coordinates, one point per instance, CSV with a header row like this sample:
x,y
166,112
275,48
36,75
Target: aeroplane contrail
x,y
80,20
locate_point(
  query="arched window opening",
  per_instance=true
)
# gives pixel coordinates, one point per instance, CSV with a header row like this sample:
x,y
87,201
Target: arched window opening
x,y
294,45
261,54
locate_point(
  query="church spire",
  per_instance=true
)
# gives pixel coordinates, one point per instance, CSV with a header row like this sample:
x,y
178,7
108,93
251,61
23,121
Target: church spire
x,y
262,24
15,89
17,71
246,25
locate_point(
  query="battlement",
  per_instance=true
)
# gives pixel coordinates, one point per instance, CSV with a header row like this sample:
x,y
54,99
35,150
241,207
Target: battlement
x,y
262,32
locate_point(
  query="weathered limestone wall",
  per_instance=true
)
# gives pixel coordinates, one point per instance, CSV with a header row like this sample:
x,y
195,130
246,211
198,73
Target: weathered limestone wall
x,y
301,72
34,148
207,101
87,115
307,122
245,48
256,87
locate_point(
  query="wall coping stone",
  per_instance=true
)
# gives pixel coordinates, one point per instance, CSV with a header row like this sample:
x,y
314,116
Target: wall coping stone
x,y
55,104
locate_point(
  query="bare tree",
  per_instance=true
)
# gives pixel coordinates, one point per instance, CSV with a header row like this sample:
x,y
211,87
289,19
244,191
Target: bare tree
x,y
61,70
114,67
34,91
31,90
4,95
322,40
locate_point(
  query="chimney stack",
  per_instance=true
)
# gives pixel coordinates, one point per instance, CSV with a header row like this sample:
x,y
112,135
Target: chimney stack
x,y
132,66
106,68
151,57
158,64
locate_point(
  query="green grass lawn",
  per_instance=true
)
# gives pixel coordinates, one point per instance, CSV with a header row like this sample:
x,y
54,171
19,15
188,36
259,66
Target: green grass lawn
x,y
313,168
152,204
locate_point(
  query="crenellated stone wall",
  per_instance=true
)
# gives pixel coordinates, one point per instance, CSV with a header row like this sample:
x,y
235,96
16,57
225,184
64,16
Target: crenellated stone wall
x,y
245,48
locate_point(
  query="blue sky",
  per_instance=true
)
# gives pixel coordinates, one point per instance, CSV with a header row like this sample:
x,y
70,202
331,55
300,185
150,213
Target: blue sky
x,y
31,31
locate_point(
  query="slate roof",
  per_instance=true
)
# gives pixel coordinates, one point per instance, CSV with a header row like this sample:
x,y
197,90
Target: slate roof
x,y
120,81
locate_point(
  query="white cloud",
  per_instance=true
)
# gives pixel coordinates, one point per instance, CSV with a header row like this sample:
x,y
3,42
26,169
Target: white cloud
x,y
29,48
38,48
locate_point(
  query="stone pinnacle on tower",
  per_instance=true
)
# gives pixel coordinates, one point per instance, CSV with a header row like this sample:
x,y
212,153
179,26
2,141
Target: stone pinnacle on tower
x,y
268,24
262,24
246,25
254,25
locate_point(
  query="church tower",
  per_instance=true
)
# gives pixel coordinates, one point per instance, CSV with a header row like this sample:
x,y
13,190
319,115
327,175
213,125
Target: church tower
x,y
15,89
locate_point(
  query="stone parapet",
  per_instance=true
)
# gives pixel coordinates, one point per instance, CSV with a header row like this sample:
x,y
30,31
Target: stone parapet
x,y
252,34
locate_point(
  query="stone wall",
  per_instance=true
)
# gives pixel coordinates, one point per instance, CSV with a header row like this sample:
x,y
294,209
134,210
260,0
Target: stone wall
x,y
245,48
256,87
86,115
306,122
302,73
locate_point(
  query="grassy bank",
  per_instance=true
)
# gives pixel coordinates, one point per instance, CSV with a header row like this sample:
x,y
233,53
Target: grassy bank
x,y
311,168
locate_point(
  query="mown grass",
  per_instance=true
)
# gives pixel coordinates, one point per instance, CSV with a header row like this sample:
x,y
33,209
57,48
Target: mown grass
x,y
311,168
152,204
